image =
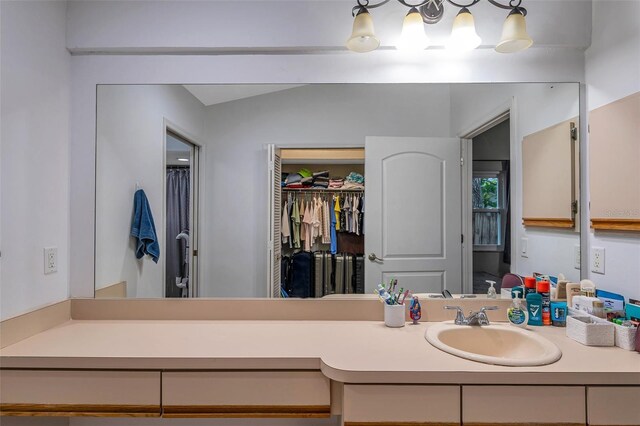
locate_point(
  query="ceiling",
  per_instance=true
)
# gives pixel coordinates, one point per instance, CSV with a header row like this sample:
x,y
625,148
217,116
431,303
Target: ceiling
x,y
210,94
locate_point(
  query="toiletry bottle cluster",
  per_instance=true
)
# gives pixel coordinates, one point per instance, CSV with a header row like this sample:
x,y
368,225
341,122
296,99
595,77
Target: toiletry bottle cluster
x,y
548,304
541,309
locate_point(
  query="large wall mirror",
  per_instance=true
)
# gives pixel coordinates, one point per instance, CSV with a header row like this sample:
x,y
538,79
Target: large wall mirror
x,y
325,190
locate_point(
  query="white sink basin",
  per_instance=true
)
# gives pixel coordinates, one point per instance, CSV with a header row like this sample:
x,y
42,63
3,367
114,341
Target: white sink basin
x,y
493,344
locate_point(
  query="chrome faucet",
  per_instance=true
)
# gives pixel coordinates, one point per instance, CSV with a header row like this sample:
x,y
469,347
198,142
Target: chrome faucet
x,y
474,318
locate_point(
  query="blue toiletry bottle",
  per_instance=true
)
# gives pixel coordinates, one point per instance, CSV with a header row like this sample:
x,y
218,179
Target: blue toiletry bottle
x,y
534,306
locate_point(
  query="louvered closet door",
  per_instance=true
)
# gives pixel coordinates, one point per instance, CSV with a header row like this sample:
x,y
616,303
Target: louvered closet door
x,y
275,215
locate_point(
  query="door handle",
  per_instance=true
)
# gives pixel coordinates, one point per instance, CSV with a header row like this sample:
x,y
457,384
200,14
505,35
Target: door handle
x,y
373,257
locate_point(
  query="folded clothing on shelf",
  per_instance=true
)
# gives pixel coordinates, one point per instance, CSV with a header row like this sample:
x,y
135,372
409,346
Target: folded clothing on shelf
x,y
354,177
336,183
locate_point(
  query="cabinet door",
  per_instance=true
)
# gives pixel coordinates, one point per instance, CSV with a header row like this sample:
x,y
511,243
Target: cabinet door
x,y
531,405
613,406
245,394
395,405
80,393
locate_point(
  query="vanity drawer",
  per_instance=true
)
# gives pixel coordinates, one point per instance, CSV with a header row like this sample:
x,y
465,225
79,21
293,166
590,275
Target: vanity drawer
x,y
80,393
246,394
613,406
387,405
552,405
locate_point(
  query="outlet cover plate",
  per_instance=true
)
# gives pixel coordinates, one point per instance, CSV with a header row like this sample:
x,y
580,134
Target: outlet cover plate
x,y
50,260
576,256
524,247
597,260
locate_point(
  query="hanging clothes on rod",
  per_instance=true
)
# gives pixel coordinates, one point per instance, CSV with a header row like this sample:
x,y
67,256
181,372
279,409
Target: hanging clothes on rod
x,y
311,220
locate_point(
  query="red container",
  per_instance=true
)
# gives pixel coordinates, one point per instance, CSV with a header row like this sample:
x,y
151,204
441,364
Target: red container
x,y
543,289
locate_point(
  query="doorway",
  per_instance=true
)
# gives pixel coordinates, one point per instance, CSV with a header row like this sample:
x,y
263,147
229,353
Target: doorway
x,y
181,184
490,206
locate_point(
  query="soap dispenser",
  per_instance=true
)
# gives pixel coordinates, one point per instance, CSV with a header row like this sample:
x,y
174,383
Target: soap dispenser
x,y
517,315
491,293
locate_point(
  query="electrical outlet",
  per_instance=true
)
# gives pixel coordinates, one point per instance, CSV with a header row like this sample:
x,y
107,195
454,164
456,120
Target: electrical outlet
x,y
50,260
524,247
597,260
576,256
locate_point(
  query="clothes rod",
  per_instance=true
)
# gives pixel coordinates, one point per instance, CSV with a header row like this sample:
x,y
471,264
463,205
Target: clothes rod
x,y
322,191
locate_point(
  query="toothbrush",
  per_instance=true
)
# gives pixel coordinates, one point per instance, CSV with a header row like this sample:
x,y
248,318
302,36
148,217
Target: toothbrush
x,y
404,296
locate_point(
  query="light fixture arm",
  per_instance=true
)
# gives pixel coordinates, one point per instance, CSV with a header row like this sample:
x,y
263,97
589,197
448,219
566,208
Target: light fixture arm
x,y
365,4
513,4
462,6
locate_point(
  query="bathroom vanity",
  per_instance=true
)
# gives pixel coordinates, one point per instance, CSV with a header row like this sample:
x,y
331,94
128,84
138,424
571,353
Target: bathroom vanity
x,y
136,364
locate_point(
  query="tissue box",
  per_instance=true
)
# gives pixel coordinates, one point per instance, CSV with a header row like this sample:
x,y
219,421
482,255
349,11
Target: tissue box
x,y
589,332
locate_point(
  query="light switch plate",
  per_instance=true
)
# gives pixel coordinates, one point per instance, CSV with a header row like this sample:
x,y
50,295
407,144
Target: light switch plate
x,y
576,256
597,260
524,247
50,260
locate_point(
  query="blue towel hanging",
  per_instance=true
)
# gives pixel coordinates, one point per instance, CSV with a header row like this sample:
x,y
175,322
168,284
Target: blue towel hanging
x,y
143,228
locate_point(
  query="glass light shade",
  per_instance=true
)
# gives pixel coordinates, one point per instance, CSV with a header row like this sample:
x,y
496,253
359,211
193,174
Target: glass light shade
x,y
363,38
413,36
514,34
463,35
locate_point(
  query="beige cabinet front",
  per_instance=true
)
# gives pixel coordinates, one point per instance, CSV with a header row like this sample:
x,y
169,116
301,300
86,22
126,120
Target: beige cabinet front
x,y
401,405
80,393
245,394
613,406
512,405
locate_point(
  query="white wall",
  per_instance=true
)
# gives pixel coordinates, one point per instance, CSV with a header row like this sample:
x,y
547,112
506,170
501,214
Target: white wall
x,y
130,148
235,229
34,195
537,106
612,72
284,25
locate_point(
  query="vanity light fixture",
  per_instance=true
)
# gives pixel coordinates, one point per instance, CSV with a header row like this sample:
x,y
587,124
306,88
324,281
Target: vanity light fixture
x,y
463,34
183,159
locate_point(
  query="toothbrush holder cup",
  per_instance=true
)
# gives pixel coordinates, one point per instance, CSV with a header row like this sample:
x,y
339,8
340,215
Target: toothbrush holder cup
x,y
394,315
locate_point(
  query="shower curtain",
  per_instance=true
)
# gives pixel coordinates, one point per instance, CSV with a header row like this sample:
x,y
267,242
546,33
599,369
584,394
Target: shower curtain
x,y
178,193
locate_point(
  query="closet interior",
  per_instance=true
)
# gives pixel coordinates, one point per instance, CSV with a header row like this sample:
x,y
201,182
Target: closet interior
x,y
322,208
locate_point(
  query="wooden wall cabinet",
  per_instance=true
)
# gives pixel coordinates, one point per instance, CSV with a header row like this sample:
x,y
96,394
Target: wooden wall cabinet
x,y
550,176
614,165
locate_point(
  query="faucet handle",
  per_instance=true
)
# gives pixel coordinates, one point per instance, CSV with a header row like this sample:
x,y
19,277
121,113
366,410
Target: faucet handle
x,y
489,308
460,319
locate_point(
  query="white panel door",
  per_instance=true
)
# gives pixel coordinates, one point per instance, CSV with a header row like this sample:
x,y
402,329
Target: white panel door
x,y
413,213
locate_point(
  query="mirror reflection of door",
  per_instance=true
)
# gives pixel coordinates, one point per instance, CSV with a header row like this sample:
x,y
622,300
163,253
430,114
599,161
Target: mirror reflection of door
x,y
180,156
491,209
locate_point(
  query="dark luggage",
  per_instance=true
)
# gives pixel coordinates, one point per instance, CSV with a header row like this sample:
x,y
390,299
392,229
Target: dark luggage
x,y
285,273
301,275
359,274
318,267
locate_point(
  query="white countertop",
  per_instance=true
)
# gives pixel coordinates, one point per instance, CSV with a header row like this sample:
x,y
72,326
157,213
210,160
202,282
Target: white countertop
x,y
345,351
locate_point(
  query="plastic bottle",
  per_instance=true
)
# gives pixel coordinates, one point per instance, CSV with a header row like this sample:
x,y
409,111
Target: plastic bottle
x,y
534,307
598,309
491,292
516,315
529,285
543,288
559,313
